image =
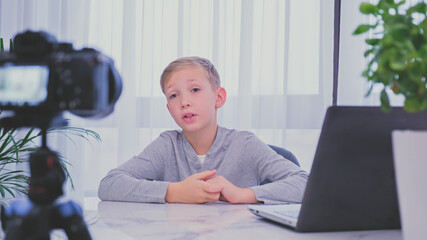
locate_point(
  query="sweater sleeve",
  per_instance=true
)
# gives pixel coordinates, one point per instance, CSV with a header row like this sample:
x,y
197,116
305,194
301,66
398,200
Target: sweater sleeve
x,y
281,181
140,179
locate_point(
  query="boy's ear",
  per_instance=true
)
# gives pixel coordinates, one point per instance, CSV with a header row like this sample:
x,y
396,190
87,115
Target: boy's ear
x,y
221,97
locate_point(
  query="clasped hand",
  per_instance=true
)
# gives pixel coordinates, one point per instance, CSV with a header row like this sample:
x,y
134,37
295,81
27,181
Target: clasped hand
x,y
204,187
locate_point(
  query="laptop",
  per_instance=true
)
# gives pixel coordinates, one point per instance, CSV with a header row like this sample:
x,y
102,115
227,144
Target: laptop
x,y
351,184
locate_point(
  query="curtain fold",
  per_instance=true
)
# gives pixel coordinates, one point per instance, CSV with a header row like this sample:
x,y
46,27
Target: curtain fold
x,y
274,58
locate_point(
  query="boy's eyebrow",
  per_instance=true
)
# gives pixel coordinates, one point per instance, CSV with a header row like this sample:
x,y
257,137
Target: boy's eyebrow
x,y
189,80
192,80
169,87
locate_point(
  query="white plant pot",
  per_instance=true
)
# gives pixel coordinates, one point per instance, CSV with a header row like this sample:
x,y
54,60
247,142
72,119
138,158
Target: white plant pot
x,y
410,162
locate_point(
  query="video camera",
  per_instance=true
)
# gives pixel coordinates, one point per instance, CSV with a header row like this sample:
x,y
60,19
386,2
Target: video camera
x,y
40,80
43,77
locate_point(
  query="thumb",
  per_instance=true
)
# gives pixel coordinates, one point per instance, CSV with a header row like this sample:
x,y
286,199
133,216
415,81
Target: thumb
x,y
203,175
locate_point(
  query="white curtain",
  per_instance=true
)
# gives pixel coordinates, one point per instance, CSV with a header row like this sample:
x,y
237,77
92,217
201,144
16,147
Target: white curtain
x,y
274,58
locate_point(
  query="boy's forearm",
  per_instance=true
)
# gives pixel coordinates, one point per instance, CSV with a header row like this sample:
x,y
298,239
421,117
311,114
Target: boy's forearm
x,y
242,195
248,196
171,196
120,187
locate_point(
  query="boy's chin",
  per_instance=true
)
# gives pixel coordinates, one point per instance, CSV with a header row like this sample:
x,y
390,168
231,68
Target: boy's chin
x,y
197,129
193,128
190,130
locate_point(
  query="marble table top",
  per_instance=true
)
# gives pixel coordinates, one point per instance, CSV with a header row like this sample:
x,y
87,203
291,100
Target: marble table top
x,y
124,220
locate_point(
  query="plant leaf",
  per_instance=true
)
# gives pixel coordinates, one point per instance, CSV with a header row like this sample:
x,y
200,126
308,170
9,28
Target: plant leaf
x,y
362,28
398,64
373,41
6,141
11,47
385,102
413,104
2,191
419,8
369,90
368,52
367,8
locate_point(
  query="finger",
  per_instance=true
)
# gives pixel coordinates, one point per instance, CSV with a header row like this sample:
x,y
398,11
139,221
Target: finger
x,y
218,180
212,188
213,197
223,198
203,175
212,180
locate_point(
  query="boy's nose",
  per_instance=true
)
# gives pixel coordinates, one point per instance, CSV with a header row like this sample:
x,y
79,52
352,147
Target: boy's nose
x,y
185,102
184,105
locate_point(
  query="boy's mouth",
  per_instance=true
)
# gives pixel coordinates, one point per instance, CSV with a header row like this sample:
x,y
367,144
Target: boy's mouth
x,y
189,117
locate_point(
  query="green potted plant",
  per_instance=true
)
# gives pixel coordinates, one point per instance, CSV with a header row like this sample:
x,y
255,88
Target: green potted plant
x,y
398,61
15,150
398,51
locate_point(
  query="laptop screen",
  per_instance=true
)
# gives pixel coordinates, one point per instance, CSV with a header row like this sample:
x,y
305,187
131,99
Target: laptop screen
x,y
352,184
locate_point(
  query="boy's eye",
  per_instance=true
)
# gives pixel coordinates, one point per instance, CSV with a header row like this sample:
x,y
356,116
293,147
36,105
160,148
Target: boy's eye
x,y
172,96
196,89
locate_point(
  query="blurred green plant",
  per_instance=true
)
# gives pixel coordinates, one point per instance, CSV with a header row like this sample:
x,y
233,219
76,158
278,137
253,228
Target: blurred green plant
x,y
398,51
15,149
10,152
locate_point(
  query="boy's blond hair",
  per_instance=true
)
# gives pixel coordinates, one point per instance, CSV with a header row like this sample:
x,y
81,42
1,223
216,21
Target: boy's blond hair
x,y
183,62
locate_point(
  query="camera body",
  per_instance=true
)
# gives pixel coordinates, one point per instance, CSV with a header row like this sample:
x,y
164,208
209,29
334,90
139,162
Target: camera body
x,y
43,78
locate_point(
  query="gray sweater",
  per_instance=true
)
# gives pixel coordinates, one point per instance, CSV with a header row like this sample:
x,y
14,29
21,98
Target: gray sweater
x,y
239,156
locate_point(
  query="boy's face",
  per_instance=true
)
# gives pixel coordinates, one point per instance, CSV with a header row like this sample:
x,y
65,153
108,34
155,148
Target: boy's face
x,y
191,100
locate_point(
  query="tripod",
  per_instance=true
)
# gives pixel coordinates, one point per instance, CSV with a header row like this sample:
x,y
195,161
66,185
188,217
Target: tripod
x,y
34,217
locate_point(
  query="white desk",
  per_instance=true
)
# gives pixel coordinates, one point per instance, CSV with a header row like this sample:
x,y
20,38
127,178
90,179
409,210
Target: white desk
x,y
121,220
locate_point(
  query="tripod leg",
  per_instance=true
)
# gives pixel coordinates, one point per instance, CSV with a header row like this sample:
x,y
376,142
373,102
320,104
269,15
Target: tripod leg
x,y
71,220
25,220
11,224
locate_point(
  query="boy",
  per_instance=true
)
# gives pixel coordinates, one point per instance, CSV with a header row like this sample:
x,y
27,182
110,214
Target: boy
x,y
204,162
